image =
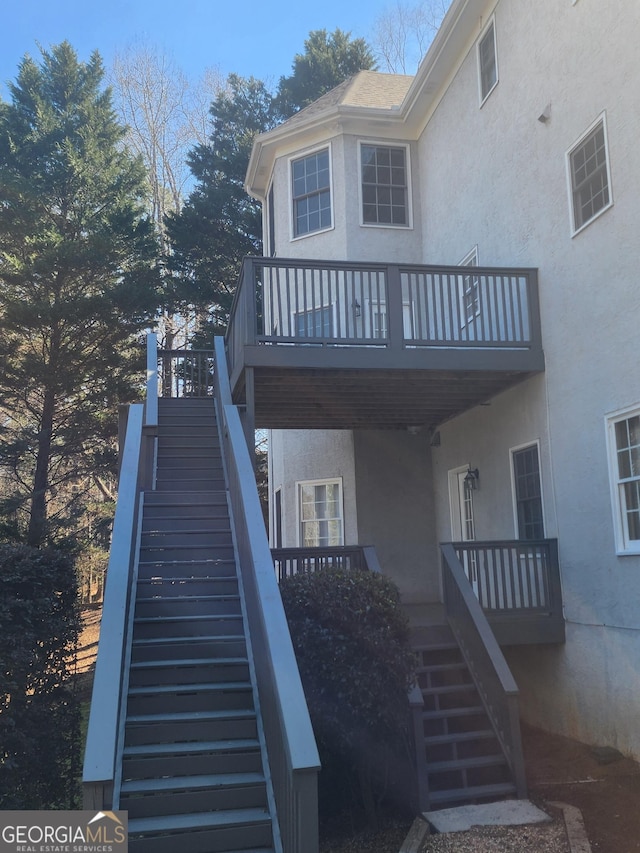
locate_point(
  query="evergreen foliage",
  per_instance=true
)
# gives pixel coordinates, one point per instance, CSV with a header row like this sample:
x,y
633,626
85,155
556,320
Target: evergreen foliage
x,y
77,285
39,713
352,646
220,223
328,60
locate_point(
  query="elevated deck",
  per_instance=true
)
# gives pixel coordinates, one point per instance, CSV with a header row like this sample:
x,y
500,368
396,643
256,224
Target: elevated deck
x,y
323,345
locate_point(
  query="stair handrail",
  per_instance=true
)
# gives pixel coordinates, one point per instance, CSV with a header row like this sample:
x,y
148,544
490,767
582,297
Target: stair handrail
x,y
104,719
291,747
486,662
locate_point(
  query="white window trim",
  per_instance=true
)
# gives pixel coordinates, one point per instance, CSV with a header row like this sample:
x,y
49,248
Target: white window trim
x,y
514,502
301,155
601,118
385,143
490,23
623,548
469,260
323,482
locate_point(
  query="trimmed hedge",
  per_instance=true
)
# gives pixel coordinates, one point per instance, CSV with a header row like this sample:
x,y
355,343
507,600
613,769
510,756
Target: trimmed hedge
x,y
352,645
39,713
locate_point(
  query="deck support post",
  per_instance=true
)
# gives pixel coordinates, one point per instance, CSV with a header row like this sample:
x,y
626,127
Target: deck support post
x,y
248,415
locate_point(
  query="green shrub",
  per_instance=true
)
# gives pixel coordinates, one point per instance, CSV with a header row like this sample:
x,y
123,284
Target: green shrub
x,y
39,714
352,645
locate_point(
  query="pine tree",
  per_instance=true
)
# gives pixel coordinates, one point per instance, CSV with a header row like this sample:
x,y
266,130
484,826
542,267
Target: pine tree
x,y
78,282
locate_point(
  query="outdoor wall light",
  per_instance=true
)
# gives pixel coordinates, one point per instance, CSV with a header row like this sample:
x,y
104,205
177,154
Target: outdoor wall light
x,y
471,480
356,308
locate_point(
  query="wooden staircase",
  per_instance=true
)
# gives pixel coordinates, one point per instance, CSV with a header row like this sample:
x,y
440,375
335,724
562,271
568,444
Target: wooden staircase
x,y
460,754
194,774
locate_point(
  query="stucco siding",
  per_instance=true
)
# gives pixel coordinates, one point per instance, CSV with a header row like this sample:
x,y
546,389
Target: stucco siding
x,y
297,455
396,511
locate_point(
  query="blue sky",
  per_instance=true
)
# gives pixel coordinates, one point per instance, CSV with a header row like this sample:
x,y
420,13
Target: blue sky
x,y
250,37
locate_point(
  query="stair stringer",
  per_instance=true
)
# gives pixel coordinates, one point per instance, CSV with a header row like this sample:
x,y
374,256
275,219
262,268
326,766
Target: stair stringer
x,y
277,839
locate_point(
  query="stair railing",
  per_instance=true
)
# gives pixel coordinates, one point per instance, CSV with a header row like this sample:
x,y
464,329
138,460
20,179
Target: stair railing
x,y
291,746
105,717
486,663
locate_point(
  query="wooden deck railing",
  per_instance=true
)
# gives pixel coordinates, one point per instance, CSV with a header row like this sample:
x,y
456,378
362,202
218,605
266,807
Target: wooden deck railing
x,y
185,373
291,746
485,661
293,561
312,303
518,586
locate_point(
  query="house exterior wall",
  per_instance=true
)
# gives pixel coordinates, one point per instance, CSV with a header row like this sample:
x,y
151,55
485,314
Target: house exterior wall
x,y
495,177
513,204
296,456
389,465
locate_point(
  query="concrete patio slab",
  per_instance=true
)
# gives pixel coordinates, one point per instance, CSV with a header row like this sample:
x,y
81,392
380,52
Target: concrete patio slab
x,y
504,813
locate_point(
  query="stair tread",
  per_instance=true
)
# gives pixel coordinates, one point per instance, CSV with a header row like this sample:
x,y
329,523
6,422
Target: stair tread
x,y
168,599
448,688
471,711
189,783
150,620
501,789
191,747
198,820
187,638
441,667
193,716
178,662
465,763
457,737
204,687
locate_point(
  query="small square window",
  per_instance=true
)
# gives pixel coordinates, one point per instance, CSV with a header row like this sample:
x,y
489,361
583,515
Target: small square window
x,y
487,62
589,176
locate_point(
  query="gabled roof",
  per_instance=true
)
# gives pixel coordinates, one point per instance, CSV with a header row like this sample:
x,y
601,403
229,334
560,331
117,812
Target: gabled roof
x,y
369,102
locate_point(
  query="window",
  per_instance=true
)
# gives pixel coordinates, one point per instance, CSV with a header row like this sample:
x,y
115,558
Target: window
x,y
385,187
315,323
470,296
589,176
624,449
320,507
528,492
487,62
311,193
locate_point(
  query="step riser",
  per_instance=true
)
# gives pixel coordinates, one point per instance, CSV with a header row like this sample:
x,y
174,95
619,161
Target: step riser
x,y
211,539
223,647
212,841
164,629
183,765
189,802
137,734
190,702
185,513
212,569
155,501
172,587
186,606
207,523
181,674
171,485
185,555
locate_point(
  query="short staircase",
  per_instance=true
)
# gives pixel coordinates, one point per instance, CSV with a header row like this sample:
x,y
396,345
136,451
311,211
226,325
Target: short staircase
x,y
457,749
194,774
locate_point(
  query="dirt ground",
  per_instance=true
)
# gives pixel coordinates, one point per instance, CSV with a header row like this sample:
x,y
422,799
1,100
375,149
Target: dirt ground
x,y
606,791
